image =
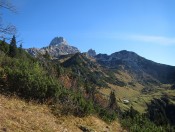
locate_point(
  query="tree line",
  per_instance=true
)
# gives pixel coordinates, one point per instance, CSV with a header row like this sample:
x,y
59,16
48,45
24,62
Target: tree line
x,y
12,50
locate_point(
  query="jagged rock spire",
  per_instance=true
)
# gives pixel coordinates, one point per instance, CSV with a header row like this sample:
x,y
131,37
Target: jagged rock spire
x,y
58,41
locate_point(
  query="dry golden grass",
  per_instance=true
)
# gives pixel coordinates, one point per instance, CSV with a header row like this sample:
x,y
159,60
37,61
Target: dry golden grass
x,y
17,115
72,124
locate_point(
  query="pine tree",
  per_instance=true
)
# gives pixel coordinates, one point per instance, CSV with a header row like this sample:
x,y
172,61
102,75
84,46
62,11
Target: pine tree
x,y
112,100
20,49
1,45
4,47
13,47
20,46
132,112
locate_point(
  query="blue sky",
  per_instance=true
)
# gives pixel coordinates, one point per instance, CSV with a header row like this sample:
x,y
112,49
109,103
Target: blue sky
x,y
146,27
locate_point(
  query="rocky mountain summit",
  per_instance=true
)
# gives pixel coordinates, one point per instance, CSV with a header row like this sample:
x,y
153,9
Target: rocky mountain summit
x,y
58,46
91,53
58,41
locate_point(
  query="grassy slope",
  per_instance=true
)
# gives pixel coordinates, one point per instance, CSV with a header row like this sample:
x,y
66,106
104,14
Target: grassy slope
x,y
18,115
134,95
131,91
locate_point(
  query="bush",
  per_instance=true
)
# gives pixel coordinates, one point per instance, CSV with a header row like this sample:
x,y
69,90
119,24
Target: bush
x,y
107,115
141,123
28,79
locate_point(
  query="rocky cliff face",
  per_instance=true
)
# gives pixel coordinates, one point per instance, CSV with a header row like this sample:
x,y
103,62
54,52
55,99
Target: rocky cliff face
x,y
33,51
58,46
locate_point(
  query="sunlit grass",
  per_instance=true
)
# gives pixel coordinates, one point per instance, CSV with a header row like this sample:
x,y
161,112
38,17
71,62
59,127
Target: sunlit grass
x,y
21,116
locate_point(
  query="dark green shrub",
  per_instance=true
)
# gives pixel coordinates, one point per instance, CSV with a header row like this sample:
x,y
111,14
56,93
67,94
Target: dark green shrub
x,y
28,79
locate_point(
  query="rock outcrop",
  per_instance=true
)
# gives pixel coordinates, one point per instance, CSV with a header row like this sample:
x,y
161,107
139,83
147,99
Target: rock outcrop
x,y
58,46
91,53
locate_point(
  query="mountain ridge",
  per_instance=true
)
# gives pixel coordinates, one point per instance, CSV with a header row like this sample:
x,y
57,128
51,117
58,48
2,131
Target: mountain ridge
x,y
140,68
135,63
59,46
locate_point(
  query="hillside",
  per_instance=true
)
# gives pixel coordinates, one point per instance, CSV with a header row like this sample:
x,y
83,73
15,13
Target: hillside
x,y
19,115
121,87
131,76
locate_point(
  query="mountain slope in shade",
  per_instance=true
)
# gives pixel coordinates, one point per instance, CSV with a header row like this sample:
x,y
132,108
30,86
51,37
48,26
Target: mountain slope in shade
x,y
58,46
141,68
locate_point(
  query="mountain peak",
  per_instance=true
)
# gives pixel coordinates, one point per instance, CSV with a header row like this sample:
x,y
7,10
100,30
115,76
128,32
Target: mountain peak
x,y
124,54
58,46
58,41
91,52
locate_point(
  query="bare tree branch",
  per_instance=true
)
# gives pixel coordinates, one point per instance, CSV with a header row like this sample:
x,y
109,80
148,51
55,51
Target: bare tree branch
x,y
4,28
9,29
7,5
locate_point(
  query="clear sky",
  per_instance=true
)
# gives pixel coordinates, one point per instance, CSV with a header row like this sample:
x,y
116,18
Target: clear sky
x,y
146,27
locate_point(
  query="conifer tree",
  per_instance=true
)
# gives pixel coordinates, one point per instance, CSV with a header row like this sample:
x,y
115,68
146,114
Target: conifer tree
x,y
112,100
13,47
4,47
20,49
